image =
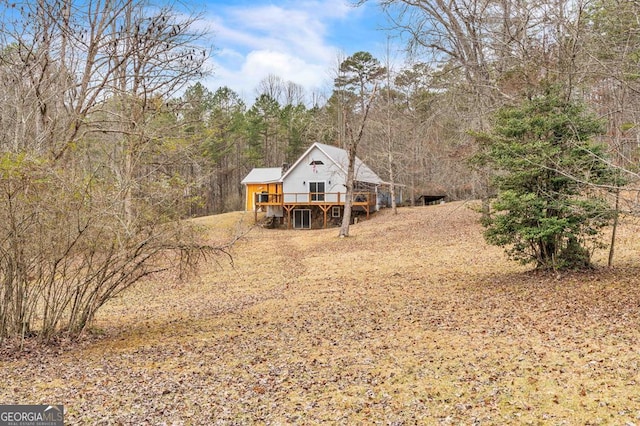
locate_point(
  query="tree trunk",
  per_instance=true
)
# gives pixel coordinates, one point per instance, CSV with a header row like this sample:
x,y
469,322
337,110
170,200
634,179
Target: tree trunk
x,y
616,215
351,150
348,202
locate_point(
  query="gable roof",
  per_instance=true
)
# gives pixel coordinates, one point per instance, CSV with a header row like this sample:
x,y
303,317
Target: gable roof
x,y
263,175
340,158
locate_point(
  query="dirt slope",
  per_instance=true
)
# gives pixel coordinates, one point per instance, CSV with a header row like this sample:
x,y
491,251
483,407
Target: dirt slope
x,y
412,320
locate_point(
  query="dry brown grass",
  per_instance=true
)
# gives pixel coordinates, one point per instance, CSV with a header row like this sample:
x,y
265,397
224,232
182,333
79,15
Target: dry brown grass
x,y
412,320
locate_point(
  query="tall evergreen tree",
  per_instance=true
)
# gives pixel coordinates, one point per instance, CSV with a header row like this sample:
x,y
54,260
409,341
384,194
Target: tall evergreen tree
x,y
263,120
550,176
225,146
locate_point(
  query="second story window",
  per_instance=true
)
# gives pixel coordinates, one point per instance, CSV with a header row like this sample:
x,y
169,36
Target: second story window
x,y
317,191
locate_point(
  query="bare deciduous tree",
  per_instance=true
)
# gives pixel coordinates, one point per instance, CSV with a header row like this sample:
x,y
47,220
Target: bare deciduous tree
x,y
91,193
358,76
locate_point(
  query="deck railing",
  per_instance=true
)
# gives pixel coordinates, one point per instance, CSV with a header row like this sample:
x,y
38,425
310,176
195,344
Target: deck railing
x,y
359,198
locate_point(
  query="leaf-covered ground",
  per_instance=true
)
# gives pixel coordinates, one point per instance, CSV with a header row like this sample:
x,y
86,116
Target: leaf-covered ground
x,y
412,320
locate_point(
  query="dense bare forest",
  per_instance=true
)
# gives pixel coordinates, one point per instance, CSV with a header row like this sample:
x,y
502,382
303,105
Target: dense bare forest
x,y
108,136
466,60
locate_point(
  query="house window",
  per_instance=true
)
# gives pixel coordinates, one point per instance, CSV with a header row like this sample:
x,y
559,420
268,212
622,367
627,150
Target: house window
x,y
316,163
316,189
302,219
335,211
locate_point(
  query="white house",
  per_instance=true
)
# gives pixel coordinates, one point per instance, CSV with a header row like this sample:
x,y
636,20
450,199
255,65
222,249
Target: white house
x,y
313,190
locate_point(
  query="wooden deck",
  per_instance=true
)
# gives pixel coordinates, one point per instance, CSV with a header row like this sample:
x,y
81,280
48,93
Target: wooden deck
x,y
324,200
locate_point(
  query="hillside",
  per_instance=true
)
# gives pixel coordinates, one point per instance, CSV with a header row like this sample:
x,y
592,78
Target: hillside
x,y
412,320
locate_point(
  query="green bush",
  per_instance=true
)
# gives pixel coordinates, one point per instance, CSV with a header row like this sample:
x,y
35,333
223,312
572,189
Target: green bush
x,y
551,179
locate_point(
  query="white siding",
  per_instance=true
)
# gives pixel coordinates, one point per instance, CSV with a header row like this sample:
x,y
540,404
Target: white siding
x,y
297,180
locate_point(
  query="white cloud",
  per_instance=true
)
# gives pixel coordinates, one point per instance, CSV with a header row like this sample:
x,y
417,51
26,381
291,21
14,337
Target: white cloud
x,y
288,39
258,64
263,62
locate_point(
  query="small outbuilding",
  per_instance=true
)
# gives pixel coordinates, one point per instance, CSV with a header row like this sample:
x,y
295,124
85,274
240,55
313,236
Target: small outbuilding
x,y
426,200
261,181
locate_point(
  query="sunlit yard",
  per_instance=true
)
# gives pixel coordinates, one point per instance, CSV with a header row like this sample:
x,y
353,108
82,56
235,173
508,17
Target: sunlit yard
x,y
412,320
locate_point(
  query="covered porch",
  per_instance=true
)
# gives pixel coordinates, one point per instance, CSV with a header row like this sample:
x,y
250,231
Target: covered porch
x,y
329,203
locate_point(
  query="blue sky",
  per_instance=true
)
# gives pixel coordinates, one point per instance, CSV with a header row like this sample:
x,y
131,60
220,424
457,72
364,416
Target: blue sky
x,y
297,40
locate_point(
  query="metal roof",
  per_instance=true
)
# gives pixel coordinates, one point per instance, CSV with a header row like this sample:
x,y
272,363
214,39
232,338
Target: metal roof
x,y
341,159
263,175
